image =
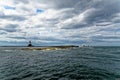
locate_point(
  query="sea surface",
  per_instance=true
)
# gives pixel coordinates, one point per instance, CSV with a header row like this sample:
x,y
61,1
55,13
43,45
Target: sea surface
x,y
83,63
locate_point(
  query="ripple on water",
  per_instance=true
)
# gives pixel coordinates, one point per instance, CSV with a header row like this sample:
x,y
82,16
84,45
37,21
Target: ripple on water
x,y
59,65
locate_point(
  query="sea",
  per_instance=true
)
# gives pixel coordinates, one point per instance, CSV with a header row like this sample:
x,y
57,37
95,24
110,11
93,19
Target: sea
x,y
82,63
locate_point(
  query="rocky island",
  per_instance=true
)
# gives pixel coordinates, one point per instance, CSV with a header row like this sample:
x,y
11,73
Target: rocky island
x,y
31,47
50,47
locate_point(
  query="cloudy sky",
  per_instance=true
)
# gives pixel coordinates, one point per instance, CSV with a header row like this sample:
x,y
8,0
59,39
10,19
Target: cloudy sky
x,y
59,22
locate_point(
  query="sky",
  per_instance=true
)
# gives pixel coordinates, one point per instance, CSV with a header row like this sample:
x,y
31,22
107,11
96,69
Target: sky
x,y
60,22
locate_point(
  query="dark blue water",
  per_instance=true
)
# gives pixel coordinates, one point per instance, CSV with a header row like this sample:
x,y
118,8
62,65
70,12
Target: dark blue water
x,y
92,63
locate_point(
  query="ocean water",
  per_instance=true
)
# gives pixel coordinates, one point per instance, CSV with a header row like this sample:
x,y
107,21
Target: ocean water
x,y
87,63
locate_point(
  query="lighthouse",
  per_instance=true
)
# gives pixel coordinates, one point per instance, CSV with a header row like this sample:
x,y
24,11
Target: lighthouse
x,y
30,44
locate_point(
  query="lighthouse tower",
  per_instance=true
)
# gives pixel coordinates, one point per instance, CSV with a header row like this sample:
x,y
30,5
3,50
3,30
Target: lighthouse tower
x,y
30,44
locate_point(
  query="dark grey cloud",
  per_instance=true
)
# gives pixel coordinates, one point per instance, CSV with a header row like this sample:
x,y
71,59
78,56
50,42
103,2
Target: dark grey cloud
x,y
95,12
116,21
103,23
21,1
13,17
10,28
106,37
105,10
81,5
75,26
78,5
65,3
1,13
18,37
44,38
2,32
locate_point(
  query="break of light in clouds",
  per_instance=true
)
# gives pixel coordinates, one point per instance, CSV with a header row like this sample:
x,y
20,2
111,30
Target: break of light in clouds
x,y
58,22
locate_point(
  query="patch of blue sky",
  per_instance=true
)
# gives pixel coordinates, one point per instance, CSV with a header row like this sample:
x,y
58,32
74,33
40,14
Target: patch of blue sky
x,y
39,11
10,7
